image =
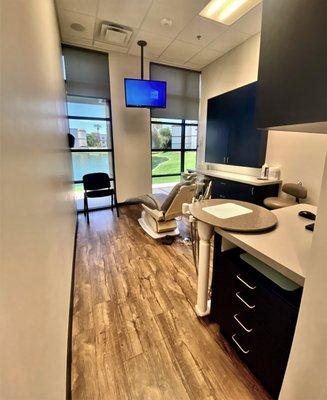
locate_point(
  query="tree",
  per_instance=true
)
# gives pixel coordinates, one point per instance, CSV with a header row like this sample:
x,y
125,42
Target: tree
x,y
93,140
165,138
155,138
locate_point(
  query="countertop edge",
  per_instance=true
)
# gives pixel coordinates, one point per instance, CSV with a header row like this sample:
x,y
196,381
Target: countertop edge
x,y
292,275
247,179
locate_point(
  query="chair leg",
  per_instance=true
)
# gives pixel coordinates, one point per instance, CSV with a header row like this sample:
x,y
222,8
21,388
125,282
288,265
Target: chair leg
x,y
86,209
116,205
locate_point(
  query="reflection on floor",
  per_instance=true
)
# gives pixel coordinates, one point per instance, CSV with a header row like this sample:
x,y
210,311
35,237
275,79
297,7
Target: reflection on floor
x,y
135,333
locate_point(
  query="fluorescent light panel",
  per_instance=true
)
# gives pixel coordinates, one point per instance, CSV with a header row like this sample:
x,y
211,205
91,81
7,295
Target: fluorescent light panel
x,y
227,11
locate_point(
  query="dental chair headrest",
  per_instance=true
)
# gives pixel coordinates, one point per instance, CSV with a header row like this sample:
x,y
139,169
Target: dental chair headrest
x,y
173,193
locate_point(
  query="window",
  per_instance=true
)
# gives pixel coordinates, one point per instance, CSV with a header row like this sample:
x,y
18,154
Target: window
x,y
89,116
174,144
89,123
174,129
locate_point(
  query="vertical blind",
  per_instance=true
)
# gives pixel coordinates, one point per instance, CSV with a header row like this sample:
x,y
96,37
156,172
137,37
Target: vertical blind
x,y
87,72
182,92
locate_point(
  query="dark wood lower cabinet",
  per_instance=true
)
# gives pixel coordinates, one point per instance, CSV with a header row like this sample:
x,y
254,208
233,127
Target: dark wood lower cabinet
x,y
226,189
256,316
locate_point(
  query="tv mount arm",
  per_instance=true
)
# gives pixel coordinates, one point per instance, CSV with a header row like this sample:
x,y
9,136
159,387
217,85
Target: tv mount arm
x,y
142,44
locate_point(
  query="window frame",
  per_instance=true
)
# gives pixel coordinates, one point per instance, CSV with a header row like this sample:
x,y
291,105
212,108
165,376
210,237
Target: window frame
x,y
182,150
100,150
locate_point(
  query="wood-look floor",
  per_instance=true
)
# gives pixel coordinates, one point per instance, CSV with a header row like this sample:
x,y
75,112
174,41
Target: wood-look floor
x,y
135,334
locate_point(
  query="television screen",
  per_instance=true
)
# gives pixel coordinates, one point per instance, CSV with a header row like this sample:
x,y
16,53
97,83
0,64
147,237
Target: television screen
x,y
145,93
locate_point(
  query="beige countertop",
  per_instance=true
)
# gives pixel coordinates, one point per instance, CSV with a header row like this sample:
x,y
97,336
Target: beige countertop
x,y
232,176
286,248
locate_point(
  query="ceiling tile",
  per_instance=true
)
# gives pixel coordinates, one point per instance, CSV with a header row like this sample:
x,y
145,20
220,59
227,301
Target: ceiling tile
x,y
190,65
88,7
180,12
209,30
176,45
170,62
205,57
155,44
180,51
125,12
229,39
109,47
66,18
77,41
251,22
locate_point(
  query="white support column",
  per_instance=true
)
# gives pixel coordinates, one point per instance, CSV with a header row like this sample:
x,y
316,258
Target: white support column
x,y
205,231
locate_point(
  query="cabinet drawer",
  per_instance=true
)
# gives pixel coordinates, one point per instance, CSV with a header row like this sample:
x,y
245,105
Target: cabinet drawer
x,y
264,357
226,189
221,188
258,347
266,313
255,315
244,290
230,263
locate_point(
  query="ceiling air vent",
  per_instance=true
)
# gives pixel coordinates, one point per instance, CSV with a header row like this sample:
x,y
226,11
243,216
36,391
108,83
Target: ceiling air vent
x,y
114,34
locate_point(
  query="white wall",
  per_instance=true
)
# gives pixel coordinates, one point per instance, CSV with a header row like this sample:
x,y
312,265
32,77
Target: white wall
x,y
300,155
131,130
306,374
38,218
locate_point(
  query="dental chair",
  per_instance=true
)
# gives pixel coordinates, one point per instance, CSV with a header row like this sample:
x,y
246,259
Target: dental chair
x,y
160,210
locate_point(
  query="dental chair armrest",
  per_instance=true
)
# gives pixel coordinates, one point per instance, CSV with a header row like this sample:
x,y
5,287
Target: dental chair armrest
x,y
156,214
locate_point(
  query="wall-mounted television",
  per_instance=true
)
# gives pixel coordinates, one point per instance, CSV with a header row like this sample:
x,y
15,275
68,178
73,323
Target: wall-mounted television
x,y
145,93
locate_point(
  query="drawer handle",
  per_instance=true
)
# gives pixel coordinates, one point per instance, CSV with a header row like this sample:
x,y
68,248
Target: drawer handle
x,y
243,301
245,283
240,323
222,197
239,346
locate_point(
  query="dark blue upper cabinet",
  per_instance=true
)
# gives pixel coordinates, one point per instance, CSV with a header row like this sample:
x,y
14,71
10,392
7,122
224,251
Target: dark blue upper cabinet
x,y
292,81
217,134
231,136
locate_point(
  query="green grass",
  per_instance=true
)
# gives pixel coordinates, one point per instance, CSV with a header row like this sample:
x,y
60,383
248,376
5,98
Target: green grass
x,y
156,160
169,163
166,179
190,160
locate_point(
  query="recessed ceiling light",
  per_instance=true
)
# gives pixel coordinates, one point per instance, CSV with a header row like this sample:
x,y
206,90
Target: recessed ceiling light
x,y
77,27
227,11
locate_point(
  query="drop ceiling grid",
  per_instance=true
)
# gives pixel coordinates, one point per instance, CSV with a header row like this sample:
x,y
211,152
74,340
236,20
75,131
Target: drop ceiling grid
x,y
217,38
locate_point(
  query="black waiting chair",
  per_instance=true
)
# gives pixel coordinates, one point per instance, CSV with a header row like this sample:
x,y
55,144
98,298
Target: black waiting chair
x,y
96,185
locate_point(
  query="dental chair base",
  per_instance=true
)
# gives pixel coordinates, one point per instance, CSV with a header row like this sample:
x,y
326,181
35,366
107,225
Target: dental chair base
x,y
159,212
158,229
